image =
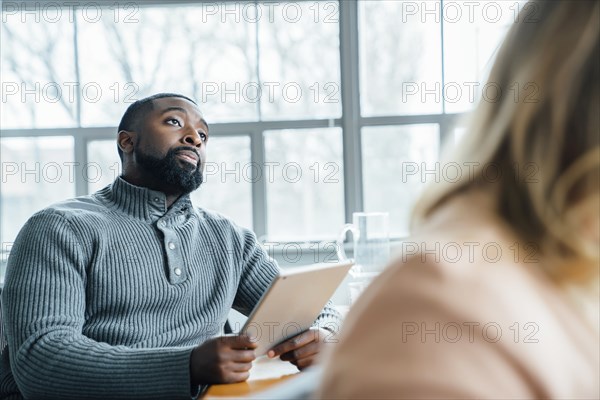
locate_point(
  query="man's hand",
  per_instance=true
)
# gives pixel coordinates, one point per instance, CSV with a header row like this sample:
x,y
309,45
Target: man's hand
x,y
302,350
225,359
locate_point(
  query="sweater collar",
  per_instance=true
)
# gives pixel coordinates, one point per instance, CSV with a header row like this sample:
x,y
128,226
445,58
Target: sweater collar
x,y
141,202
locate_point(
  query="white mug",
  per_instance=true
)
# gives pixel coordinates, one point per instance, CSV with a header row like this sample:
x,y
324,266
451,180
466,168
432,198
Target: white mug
x,y
371,248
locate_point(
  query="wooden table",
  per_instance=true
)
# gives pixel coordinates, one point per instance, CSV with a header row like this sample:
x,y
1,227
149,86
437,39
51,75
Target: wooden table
x,y
265,373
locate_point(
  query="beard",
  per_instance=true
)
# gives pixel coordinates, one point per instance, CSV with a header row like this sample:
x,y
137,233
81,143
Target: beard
x,y
168,171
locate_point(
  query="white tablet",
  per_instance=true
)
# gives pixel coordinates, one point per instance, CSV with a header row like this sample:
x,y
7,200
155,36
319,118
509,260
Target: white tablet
x,y
292,303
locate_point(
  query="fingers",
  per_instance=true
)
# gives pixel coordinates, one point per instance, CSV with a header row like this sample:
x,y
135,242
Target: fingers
x,y
235,349
310,349
235,371
302,350
232,371
305,362
241,367
243,356
239,357
222,360
294,343
239,342
235,377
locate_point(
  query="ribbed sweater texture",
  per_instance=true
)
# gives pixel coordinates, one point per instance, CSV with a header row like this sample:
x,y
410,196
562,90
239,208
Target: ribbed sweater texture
x,y
106,295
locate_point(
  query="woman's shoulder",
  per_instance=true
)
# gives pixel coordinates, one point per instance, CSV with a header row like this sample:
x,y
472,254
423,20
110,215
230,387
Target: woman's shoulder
x,y
460,313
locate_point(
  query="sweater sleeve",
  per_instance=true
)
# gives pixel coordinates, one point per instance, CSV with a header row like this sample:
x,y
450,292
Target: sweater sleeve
x,y
258,271
44,305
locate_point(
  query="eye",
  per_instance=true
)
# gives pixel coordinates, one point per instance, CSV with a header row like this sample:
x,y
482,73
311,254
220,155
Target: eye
x,y
173,121
203,136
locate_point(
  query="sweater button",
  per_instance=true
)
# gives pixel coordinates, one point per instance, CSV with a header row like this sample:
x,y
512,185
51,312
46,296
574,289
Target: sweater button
x,y
177,271
171,245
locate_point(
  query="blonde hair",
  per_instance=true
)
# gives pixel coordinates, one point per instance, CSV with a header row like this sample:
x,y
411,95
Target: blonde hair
x,y
545,142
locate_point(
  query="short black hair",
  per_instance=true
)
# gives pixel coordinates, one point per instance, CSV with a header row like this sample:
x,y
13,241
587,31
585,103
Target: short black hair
x,y
138,110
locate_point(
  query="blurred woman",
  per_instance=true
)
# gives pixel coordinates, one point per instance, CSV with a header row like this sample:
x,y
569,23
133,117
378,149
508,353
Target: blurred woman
x,y
496,293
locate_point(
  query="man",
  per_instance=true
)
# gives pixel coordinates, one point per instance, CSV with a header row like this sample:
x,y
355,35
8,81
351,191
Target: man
x,y
120,294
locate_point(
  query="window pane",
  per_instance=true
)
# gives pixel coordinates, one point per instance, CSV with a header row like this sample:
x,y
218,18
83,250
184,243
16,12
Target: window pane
x,y
299,60
37,67
227,186
104,165
397,161
400,57
36,172
199,51
305,184
473,32
459,133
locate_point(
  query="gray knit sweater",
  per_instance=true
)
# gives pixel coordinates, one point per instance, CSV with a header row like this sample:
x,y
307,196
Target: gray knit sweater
x,y
106,295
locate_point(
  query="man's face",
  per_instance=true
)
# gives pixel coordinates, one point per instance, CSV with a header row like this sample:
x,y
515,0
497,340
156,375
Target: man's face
x,y
170,148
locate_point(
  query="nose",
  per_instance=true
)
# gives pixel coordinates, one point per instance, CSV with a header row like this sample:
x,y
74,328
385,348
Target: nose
x,y
192,138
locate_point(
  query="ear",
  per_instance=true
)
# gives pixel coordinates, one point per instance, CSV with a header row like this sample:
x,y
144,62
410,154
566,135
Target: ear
x,y
125,141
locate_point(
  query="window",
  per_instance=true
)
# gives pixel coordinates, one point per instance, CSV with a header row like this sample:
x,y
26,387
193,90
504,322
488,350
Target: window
x,y
397,162
305,184
472,35
228,177
36,172
295,147
403,81
182,49
37,71
106,164
299,61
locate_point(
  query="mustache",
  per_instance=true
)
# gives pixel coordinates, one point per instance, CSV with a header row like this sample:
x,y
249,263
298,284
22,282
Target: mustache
x,y
187,148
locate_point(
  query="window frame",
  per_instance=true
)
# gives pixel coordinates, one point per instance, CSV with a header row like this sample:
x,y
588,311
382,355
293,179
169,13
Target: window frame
x,y
351,121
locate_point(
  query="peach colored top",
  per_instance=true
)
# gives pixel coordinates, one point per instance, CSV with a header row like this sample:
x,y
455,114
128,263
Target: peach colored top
x,y
464,312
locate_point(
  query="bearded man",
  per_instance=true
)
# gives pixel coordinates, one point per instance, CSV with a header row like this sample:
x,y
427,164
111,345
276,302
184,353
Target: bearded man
x,y
124,293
